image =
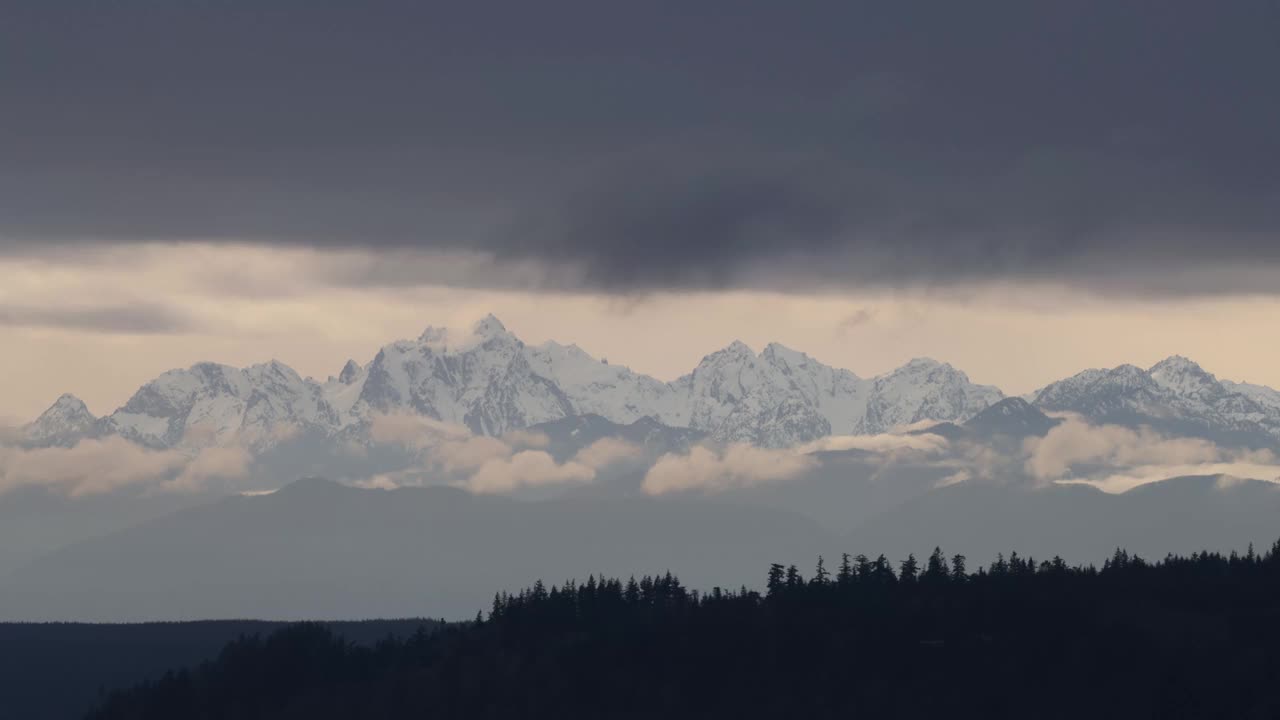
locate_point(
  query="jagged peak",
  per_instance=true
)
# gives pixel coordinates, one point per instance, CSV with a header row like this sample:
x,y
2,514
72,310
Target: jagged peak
x,y
489,326
68,399
434,335
569,349
1128,373
67,404
1010,406
349,373
273,365
202,368
443,339
924,362
1177,364
736,350
778,350
926,365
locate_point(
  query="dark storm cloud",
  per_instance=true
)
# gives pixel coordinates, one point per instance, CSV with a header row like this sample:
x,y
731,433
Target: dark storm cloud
x,y
134,319
1120,146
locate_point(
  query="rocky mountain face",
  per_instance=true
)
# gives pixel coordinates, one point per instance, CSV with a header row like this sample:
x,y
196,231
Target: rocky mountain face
x,y
1174,395
211,404
567,436
491,382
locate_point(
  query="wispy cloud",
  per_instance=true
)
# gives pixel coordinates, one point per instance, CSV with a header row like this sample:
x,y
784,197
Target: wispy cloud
x,y
883,443
737,466
91,467
528,468
132,319
451,454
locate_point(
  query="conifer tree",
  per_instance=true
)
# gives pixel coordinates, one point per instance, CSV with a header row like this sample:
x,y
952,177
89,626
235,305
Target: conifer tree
x,y
908,569
820,573
844,576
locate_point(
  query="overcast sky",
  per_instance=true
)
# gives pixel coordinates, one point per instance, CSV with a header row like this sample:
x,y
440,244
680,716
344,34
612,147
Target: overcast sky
x,y
1022,189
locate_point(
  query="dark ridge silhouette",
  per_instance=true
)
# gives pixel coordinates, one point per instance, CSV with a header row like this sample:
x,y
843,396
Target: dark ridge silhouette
x,y
1187,636
58,671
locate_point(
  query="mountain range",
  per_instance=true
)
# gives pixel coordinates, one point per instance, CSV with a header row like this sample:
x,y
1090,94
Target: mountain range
x,y
491,382
321,549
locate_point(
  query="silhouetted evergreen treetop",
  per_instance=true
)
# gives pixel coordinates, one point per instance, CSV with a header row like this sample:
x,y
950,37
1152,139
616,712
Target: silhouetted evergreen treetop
x,y
1185,636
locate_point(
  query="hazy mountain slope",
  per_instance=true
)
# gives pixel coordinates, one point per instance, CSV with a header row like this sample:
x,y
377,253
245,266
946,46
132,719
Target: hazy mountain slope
x,y
1078,522
1012,418
320,550
36,520
317,549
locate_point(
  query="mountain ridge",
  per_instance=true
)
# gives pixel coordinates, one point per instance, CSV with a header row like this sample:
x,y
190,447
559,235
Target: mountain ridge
x,y
491,382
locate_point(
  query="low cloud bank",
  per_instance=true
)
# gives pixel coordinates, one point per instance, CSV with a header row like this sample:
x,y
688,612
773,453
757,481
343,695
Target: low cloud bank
x,y
737,466
884,443
449,453
1110,457
707,469
528,468
1116,459
95,466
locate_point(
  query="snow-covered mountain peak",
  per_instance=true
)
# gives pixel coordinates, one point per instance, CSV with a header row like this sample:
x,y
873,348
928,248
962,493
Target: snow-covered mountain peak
x,y
1175,393
924,363
1176,363
784,357
1127,370
924,389
1085,389
554,348
737,350
271,367
67,405
1187,379
210,403
923,369
488,327
434,336
65,422
442,340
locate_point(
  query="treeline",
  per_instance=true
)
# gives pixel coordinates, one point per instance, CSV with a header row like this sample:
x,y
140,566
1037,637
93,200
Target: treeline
x,y
1183,637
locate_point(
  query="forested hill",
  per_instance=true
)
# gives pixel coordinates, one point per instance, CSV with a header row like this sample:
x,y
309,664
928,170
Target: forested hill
x,y
57,671
1193,636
